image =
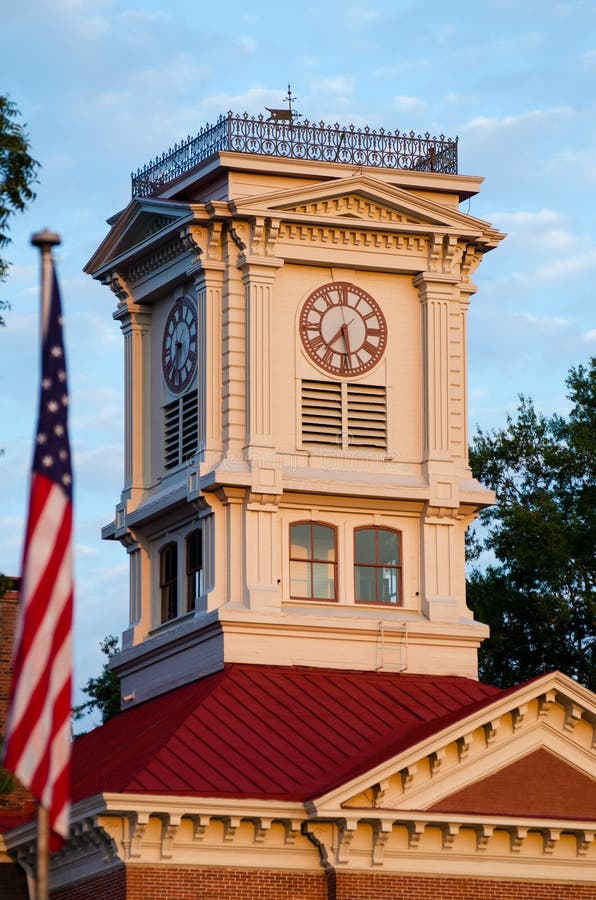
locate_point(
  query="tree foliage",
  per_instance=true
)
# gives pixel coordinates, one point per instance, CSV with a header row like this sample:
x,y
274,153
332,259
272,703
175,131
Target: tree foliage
x,y
103,691
538,597
17,173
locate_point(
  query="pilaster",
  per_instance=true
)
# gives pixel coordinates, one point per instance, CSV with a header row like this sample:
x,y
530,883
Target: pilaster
x,y
209,285
263,568
436,291
135,322
258,275
233,551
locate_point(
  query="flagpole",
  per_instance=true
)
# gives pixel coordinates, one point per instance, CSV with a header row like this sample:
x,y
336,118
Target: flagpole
x,y
44,240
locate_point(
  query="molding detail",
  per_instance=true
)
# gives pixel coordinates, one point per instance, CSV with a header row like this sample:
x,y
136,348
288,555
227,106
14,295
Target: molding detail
x,y
169,830
346,832
518,716
573,713
116,284
350,237
138,823
156,258
381,833
436,760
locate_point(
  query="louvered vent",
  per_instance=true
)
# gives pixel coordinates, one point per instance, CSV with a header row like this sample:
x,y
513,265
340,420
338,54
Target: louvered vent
x,y
344,415
367,416
181,429
321,413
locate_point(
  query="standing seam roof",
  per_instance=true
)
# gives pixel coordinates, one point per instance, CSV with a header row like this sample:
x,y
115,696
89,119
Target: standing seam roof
x,y
286,733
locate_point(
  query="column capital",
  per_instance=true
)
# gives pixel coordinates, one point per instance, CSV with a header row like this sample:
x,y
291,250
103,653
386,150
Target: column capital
x,y
431,282
263,268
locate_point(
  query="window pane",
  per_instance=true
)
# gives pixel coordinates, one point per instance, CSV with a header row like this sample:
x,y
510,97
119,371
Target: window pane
x,y
388,549
168,560
323,581
324,542
300,579
365,545
194,566
193,551
387,585
365,584
300,541
169,602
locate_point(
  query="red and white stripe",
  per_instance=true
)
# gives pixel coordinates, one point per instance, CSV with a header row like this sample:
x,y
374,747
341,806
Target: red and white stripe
x,y
38,734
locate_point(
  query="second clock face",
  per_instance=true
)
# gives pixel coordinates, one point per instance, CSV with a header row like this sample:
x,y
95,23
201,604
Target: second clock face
x,y
179,346
343,329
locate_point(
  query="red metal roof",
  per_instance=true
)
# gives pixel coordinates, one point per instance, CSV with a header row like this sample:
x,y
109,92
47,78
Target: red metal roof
x,y
268,732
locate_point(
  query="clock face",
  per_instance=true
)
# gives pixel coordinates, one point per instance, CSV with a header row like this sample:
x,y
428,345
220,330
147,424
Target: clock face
x,y
179,345
343,329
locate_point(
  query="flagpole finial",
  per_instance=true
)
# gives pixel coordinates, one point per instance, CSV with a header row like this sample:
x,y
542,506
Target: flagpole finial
x,y
45,239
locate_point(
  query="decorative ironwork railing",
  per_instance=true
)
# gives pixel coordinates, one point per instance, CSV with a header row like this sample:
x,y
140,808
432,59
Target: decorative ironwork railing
x,y
307,140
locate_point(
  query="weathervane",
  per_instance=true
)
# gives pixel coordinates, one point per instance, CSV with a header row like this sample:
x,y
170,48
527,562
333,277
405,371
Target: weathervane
x,y
284,115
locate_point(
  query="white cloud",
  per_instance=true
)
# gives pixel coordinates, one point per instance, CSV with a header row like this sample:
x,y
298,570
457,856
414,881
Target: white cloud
x,y
589,337
488,124
565,268
337,84
246,44
408,104
84,550
525,218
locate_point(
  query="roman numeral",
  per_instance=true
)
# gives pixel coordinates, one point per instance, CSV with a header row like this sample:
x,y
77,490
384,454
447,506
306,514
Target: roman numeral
x,y
368,348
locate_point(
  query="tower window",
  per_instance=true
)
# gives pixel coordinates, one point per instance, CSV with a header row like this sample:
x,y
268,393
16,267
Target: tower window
x,y
313,561
168,581
194,569
377,565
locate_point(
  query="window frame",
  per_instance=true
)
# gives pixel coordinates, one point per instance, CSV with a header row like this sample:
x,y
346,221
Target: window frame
x,y
312,560
378,565
167,584
190,573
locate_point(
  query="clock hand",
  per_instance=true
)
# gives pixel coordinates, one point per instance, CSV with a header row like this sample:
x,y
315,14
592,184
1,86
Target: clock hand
x,y
346,333
337,335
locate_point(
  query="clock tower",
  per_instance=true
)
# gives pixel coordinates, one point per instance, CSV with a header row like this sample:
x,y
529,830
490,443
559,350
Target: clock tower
x,y
293,303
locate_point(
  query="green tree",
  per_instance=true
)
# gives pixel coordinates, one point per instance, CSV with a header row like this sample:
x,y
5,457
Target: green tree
x,y
103,691
538,597
17,173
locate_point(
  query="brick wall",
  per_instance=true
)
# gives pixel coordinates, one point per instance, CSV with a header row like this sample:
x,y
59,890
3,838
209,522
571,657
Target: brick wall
x,y
111,886
140,882
9,605
190,883
187,883
363,886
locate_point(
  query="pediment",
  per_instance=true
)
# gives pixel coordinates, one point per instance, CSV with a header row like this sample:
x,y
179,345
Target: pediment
x,y
540,785
139,222
528,754
365,199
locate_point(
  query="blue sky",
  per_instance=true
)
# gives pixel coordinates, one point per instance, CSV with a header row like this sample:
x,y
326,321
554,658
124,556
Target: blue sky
x,y
105,85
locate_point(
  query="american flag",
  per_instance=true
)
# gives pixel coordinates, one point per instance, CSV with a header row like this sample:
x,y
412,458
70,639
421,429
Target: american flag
x,y
38,737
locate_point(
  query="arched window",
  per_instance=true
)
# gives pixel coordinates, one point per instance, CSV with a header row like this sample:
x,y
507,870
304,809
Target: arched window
x,y
194,568
377,565
168,581
313,561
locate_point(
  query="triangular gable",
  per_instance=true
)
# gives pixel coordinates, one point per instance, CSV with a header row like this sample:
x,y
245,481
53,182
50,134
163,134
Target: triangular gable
x,y
550,721
140,221
539,784
367,199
